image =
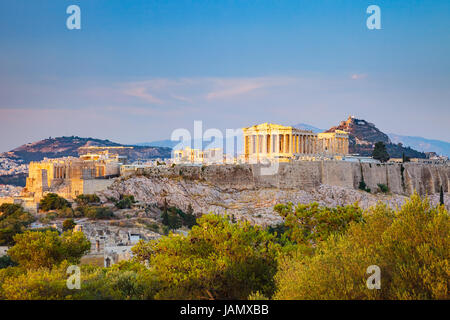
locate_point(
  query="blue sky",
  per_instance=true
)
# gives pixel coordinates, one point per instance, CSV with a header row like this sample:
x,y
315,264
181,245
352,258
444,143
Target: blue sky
x,y
137,70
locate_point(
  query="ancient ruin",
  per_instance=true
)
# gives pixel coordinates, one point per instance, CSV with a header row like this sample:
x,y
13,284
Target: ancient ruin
x,y
283,143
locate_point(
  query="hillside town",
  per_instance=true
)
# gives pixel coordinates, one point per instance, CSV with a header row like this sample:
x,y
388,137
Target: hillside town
x,y
11,167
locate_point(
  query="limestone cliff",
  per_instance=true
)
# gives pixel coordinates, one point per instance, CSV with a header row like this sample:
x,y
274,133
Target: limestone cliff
x,y
243,192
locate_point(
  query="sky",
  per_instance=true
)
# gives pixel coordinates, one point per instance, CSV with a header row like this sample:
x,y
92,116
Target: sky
x,y
137,70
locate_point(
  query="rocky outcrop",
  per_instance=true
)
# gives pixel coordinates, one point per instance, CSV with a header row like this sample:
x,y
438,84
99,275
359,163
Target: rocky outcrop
x,y
241,191
363,135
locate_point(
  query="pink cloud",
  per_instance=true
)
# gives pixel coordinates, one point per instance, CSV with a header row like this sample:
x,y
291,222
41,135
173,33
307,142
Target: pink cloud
x,y
359,76
141,92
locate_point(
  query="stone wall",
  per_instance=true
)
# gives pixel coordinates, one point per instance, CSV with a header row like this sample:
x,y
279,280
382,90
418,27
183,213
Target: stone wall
x,y
94,185
309,175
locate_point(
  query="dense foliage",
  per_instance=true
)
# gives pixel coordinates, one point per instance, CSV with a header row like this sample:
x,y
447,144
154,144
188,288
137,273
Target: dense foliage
x,y
51,201
411,247
216,260
317,253
174,218
307,224
35,249
13,220
87,199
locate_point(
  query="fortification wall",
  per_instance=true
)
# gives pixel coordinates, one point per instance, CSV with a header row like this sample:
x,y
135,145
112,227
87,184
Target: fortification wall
x,y
308,175
94,185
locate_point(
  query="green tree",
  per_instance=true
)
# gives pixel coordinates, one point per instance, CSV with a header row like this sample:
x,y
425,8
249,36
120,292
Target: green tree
x,y
308,224
35,249
13,220
189,219
405,158
87,199
123,281
68,224
441,196
380,152
51,201
216,260
5,262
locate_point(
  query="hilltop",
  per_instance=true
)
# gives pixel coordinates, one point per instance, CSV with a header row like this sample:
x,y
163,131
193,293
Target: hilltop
x,y
363,135
69,146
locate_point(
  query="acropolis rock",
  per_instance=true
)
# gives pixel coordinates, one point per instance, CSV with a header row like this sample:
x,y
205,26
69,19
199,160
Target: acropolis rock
x,y
241,191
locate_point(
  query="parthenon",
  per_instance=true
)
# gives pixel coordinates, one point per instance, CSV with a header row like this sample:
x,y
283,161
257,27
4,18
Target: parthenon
x,y
275,141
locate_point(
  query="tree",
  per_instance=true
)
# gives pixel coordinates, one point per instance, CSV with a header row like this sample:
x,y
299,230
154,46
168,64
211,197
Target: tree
x,y
123,281
380,152
216,259
125,202
68,224
5,262
405,158
52,201
189,219
308,224
86,199
441,196
13,220
35,249
94,212
410,246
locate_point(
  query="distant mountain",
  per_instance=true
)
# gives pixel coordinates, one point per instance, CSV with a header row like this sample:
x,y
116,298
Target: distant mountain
x,y
70,146
422,144
363,135
159,143
304,126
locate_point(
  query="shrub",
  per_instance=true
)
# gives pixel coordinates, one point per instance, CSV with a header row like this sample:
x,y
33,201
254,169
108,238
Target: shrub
x,y
52,201
68,213
383,188
86,199
94,212
68,224
362,186
125,202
